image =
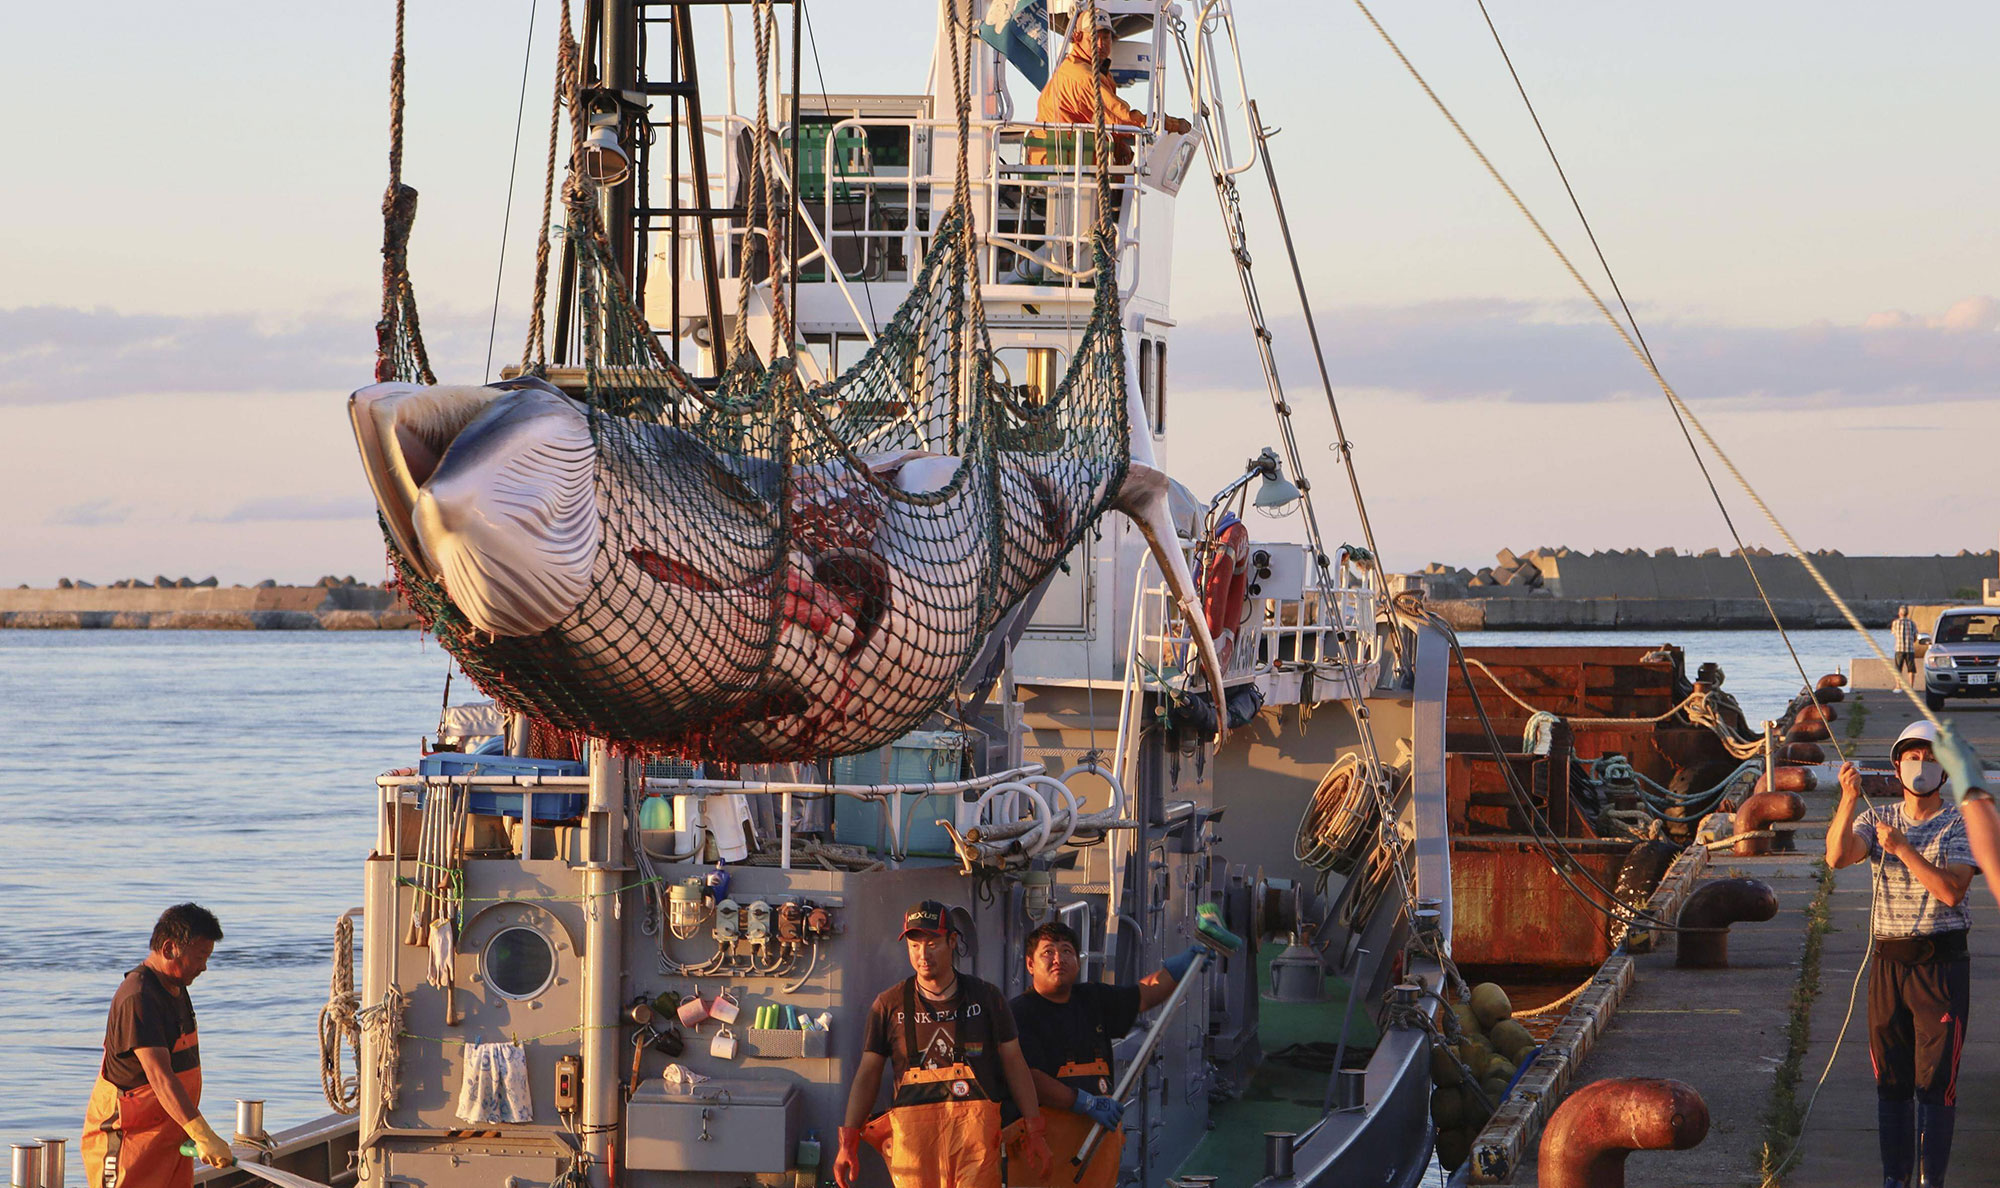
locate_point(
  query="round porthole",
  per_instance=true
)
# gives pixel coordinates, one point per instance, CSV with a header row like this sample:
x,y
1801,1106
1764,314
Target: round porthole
x,y
519,962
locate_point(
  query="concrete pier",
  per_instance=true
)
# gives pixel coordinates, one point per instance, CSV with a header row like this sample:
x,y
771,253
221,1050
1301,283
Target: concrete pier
x,y
1726,1032
208,608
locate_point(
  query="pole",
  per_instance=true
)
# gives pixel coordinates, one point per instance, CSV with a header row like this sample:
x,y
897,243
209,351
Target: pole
x,y
603,964
1134,1070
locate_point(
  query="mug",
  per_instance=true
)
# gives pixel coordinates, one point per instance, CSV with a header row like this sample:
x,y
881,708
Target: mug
x,y
691,1011
725,1007
723,1046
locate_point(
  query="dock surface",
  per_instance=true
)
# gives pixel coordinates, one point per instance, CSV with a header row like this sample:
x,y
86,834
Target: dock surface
x,y
1725,1032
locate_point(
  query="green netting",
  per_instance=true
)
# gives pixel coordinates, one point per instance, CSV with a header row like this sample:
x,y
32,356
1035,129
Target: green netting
x,y
787,572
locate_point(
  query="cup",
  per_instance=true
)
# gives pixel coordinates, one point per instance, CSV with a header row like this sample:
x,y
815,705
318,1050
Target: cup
x,y
723,1046
725,1007
691,1011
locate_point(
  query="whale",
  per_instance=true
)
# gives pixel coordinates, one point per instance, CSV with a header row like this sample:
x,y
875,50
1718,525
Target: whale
x,y
819,608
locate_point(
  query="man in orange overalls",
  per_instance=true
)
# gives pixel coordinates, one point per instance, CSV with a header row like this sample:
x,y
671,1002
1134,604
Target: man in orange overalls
x,y
1083,79
1067,1028
951,1042
147,1100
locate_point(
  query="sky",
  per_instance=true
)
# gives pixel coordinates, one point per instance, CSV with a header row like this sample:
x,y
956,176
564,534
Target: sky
x,y
1797,199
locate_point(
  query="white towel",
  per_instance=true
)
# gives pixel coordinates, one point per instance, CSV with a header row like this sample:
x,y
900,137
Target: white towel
x,y
496,1085
443,949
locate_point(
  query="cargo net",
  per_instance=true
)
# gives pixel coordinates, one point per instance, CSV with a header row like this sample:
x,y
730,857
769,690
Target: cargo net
x,y
787,572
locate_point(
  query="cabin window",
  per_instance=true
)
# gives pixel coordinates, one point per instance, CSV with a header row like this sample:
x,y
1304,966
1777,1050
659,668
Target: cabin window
x,y
1031,373
1158,397
519,962
1146,381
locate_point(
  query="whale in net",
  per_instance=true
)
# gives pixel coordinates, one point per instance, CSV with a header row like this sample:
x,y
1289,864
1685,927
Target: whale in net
x,y
739,605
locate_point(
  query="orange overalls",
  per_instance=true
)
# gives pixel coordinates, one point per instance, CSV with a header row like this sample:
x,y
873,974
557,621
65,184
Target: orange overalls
x,y
941,1129
1066,1132
129,1141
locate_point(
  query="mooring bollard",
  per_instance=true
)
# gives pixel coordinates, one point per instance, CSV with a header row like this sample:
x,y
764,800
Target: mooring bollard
x,y
1590,1134
1761,812
1703,939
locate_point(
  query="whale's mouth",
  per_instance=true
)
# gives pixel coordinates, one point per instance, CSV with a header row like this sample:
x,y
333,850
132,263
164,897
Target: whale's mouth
x,y
403,431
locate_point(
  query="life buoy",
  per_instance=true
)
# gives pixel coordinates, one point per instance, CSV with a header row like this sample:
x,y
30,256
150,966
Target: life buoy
x,y
1225,587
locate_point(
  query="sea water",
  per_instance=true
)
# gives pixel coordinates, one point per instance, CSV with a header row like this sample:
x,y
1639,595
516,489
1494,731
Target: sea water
x,y
236,769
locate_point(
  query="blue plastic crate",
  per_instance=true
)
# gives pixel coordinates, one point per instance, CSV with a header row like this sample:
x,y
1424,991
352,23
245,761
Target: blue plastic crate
x,y
549,805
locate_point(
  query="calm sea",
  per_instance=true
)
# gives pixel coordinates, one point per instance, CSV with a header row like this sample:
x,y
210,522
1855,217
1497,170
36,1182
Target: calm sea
x,y
236,769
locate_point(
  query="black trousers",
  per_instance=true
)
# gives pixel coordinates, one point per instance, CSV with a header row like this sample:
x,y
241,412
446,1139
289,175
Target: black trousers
x,y
1906,662
1917,1017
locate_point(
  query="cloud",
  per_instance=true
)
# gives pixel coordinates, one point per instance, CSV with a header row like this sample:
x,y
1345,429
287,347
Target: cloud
x,y
1527,353
56,354
295,508
92,513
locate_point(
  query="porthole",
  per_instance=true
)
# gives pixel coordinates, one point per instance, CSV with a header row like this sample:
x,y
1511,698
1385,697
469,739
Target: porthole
x,y
519,962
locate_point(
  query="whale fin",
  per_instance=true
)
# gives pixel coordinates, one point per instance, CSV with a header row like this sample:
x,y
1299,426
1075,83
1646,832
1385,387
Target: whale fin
x,y
1143,499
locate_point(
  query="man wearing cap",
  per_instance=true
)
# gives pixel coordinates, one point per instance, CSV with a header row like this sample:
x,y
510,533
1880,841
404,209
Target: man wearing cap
x,y
1067,1029
1903,630
951,1041
1919,988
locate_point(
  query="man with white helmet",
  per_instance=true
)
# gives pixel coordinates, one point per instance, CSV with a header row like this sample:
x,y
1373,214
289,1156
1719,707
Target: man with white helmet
x,y
1919,988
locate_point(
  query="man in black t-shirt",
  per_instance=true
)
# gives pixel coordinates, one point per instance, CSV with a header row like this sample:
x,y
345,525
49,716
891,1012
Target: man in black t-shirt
x,y
1067,1028
147,1100
952,1046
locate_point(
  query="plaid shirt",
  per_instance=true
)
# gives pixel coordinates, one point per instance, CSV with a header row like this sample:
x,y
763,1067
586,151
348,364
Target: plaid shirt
x,y
1904,632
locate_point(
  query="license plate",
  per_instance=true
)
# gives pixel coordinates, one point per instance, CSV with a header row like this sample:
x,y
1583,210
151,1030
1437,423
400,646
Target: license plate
x,y
1978,678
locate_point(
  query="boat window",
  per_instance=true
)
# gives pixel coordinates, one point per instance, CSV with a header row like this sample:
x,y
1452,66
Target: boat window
x,y
1146,380
519,962
1158,403
1032,372
1961,628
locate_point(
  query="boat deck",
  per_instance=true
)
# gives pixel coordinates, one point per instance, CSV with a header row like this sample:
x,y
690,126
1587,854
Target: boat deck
x,y
1283,1094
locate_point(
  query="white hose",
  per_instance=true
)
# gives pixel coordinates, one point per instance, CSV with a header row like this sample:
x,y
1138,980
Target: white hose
x,y
1067,815
1033,842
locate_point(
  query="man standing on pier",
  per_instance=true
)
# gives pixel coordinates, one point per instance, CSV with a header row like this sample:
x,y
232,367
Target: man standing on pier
x,y
1919,987
147,1100
1903,630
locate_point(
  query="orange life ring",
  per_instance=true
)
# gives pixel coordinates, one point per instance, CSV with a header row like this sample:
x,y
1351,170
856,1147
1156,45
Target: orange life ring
x,y
1225,587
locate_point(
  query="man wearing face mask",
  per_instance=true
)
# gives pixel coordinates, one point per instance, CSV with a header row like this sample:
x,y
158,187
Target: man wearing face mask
x,y
1919,988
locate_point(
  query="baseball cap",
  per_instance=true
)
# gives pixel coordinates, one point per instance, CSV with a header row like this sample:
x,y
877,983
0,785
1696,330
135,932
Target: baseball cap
x,y
926,916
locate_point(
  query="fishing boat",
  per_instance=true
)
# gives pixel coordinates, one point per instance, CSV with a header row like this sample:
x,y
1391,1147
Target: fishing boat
x,y
671,915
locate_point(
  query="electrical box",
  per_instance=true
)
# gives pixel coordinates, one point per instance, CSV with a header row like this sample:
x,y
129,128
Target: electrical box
x,y
1278,571
569,1079
727,1124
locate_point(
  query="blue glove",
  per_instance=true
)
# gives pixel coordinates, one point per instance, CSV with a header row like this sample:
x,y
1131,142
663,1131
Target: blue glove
x,y
1104,1111
1177,965
1960,762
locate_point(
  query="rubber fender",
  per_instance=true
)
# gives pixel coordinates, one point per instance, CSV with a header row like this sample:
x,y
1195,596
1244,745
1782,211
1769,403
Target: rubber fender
x,y
1764,809
1828,696
1787,779
1592,1132
1801,752
1808,732
1832,680
1815,714
1703,942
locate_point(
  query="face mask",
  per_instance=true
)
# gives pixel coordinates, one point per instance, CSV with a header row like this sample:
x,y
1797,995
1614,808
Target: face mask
x,y
1921,776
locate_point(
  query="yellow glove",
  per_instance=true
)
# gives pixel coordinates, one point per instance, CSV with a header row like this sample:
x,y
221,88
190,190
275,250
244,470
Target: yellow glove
x,y
208,1145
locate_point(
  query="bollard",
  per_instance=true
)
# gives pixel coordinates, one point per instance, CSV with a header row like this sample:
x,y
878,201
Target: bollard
x,y
1761,812
1278,1148
250,1120
1350,1088
53,1162
27,1169
1703,942
1590,1135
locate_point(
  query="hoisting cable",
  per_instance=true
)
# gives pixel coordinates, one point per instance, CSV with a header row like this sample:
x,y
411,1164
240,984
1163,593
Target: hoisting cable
x,y
1673,397
1646,349
513,169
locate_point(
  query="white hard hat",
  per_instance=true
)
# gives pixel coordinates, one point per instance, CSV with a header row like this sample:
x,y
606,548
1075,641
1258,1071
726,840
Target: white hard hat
x,y
1919,731
1096,20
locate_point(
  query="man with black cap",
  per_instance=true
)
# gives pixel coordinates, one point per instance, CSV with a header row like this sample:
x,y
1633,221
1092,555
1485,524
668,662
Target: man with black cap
x,y
1919,988
951,1041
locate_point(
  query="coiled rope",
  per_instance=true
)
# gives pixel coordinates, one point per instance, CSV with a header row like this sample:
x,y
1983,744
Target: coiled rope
x,y
338,1025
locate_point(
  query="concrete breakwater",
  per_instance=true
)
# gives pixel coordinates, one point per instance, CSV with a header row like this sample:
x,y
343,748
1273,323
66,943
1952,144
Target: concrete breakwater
x,y
209,608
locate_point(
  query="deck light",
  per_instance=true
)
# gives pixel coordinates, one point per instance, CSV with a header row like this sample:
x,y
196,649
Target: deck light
x,y
1276,490
604,161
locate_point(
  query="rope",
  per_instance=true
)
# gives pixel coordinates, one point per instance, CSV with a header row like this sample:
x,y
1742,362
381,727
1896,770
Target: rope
x,y
338,1024
1558,1004
1645,359
1516,698
399,340
507,212
534,352
381,1025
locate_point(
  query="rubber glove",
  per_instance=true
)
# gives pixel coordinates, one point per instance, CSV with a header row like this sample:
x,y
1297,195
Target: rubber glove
x,y
208,1145
1960,762
1036,1146
847,1164
1105,1111
1178,964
